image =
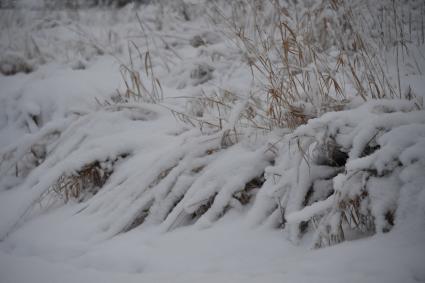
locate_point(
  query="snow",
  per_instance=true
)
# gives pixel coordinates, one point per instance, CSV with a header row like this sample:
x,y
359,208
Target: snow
x,y
308,212
257,256
208,191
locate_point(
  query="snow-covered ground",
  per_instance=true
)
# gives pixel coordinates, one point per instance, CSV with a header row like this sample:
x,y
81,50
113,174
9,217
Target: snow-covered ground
x,y
225,253
184,192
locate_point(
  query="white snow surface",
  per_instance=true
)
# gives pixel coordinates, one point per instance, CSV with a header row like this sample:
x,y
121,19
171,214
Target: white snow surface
x,y
225,253
61,116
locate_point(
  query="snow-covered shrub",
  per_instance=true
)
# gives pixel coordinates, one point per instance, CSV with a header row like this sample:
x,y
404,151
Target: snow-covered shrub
x,y
342,175
293,145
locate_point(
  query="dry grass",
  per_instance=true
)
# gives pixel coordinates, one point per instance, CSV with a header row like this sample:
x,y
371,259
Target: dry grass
x,y
87,180
311,61
136,89
351,217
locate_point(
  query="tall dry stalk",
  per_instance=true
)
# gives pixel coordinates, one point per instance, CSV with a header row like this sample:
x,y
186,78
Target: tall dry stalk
x,y
311,59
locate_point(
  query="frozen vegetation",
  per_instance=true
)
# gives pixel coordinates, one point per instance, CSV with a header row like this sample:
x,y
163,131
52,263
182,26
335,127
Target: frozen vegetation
x,y
212,141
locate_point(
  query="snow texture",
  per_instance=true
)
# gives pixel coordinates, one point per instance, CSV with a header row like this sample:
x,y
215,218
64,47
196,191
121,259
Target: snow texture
x,y
136,146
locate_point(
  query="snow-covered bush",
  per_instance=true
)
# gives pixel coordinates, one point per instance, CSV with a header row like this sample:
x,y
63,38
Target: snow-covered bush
x,y
300,125
343,175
